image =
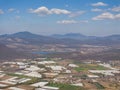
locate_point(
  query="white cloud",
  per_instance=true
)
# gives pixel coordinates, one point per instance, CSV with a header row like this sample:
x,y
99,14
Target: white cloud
x,y
67,22
71,21
103,16
17,17
99,4
96,10
116,9
59,11
45,11
106,15
1,11
75,14
11,9
117,16
40,11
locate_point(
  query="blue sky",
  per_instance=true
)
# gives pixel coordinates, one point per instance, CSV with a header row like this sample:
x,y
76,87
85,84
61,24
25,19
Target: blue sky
x,y
89,17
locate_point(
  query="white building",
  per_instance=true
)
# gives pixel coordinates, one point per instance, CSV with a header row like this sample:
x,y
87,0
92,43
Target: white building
x,y
92,76
73,65
57,69
46,62
107,66
15,80
32,68
68,71
3,85
78,84
39,84
2,75
15,88
50,88
34,74
105,72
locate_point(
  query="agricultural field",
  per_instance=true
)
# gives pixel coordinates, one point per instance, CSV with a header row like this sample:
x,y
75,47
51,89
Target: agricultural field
x,y
33,79
86,67
66,86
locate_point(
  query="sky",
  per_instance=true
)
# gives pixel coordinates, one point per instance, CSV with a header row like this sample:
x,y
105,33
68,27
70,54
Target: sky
x,y
46,17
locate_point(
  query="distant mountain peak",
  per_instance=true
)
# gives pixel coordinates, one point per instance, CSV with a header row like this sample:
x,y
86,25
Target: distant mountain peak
x,y
24,32
74,34
70,35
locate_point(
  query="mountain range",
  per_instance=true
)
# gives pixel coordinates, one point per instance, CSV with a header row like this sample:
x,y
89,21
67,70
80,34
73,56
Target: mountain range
x,y
18,44
70,38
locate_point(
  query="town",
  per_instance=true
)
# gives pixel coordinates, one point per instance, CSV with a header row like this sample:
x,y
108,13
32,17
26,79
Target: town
x,y
59,74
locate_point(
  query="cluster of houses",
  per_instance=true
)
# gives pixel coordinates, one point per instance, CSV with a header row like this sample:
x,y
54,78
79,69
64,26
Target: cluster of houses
x,y
50,70
45,71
